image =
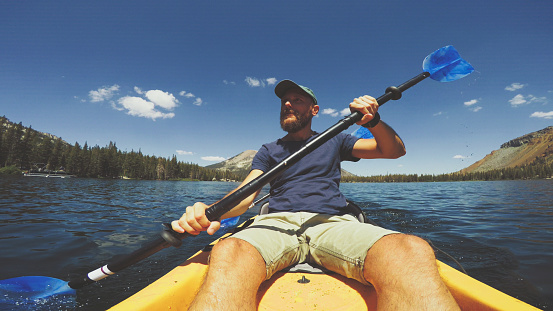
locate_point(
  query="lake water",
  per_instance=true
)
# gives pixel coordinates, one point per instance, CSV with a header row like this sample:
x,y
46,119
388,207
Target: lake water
x,y
501,231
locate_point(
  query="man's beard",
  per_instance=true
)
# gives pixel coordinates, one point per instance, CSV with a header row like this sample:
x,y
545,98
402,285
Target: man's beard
x,y
293,126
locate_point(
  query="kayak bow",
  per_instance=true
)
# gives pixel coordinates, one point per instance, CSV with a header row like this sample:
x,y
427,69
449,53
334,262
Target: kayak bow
x,y
306,291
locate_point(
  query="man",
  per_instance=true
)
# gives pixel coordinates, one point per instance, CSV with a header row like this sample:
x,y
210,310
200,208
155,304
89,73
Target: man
x,y
307,221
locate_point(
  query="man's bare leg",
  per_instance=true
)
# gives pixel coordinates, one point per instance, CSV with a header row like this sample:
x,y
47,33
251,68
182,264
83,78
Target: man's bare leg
x,y
403,270
236,269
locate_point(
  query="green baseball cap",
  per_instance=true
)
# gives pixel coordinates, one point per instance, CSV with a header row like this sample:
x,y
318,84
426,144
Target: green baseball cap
x,y
283,86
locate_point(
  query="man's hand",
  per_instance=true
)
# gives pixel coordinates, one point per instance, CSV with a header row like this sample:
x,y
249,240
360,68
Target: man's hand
x,y
366,105
194,221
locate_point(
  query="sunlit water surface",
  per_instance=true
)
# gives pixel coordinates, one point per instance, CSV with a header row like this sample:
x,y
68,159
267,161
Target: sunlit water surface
x,y
501,232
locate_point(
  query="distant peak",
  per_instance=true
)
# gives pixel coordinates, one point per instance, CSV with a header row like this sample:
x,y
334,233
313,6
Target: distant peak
x,y
525,139
520,151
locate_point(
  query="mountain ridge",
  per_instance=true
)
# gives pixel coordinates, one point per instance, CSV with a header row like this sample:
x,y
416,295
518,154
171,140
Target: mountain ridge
x,y
523,150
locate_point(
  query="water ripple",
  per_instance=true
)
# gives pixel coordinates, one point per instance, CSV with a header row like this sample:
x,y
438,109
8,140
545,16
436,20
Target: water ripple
x,y
499,231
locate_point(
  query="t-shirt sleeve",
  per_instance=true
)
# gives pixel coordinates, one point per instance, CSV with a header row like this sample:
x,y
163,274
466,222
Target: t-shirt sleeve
x,y
348,141
261,161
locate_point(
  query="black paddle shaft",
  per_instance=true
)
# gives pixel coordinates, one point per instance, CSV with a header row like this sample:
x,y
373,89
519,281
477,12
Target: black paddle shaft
x,y
171,238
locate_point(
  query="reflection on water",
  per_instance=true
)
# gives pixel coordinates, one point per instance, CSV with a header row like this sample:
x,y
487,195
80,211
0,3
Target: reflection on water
x,y
499,231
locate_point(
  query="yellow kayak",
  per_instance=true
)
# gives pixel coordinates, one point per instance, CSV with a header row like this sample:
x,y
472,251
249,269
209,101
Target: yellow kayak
x,y
176,290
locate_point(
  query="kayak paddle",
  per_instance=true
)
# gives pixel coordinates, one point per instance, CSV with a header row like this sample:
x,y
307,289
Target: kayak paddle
x,y
442,65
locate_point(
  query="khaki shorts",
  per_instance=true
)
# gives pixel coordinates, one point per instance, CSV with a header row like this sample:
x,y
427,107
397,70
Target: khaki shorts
x,y
337,243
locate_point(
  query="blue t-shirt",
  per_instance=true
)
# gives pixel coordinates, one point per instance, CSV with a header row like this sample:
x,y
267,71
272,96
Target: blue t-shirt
x,y
312,184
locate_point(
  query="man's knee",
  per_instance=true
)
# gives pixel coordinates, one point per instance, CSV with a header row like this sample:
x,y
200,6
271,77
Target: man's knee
x,y
235,250
235,257
411,246
397,254
402,248
230,247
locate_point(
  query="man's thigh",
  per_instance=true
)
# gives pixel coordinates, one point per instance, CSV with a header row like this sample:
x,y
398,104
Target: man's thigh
x,y
275,237
341,243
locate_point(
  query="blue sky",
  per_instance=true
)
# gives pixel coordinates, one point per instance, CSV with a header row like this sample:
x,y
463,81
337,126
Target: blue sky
x,y
196,78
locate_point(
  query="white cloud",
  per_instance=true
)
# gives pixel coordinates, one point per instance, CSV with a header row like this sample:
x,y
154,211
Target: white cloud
x,y
538,100
520,99
140,107
198,102
544,115
471,103
514,86
254,82
331,112
334,113
439,113
162,99
213,159
153,104
116,107
229,82
271,81
460,157
517,100
183,152
103,93
79,99
187,95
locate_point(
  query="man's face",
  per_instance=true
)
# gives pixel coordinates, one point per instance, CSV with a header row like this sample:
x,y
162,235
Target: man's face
x,y
296,110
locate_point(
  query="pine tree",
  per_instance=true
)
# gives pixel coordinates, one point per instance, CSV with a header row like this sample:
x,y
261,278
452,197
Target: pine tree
x,y
43,151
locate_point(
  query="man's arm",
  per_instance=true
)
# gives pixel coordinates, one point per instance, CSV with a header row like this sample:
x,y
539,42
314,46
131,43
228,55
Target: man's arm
x,y
386,144
243,206
194,220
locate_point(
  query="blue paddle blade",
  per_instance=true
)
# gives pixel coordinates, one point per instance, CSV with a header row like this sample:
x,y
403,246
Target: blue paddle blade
x,y
362,132
36,293
446,65
35,287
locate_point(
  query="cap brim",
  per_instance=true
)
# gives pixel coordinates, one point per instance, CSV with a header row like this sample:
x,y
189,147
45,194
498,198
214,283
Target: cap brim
x,y
283,86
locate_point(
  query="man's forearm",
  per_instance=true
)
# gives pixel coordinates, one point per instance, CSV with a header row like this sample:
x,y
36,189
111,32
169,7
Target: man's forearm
x,y
388,141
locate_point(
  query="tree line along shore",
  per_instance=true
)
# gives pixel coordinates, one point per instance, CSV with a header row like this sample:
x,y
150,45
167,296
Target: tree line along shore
x,y
25,149
539,169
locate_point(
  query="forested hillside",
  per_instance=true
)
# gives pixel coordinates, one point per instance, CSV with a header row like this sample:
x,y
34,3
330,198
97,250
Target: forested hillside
x,y
25,148
527,157
529,149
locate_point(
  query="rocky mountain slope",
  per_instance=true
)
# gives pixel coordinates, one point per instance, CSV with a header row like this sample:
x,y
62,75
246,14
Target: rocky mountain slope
x,y
519,151
239,164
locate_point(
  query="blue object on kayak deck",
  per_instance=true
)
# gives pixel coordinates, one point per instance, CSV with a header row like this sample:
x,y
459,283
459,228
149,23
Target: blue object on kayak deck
x,y
229,223
362,132
446,65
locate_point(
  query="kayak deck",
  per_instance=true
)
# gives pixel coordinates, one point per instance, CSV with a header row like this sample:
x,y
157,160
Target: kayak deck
x,y
176,290
323,292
